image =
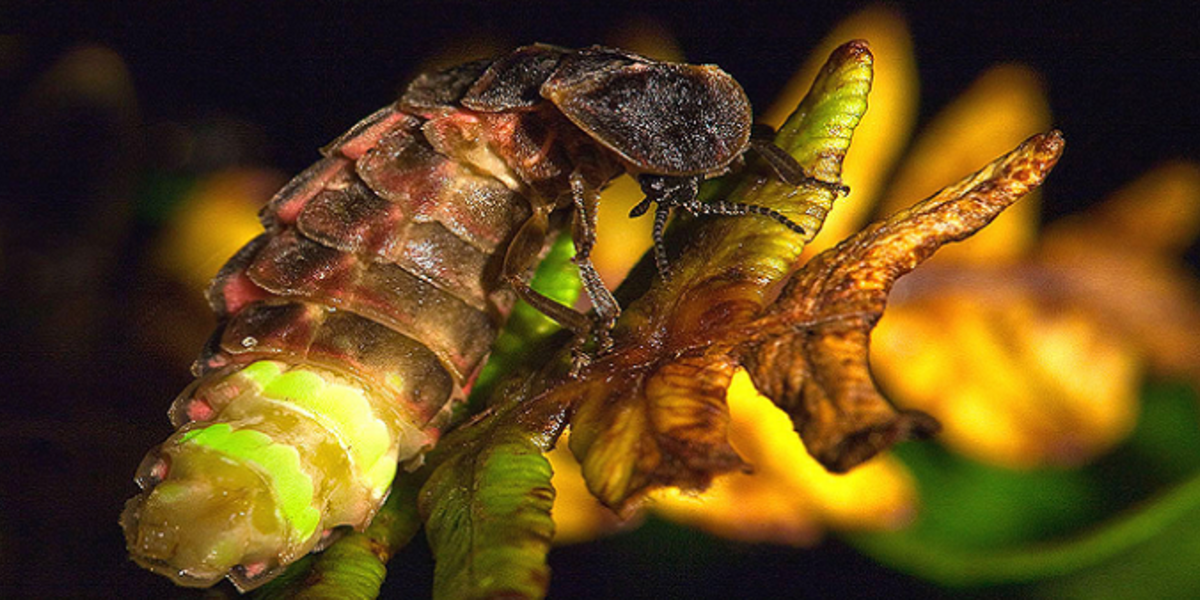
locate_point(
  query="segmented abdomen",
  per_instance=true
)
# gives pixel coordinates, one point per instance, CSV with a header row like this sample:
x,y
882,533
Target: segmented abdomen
x,y
364,310
403,243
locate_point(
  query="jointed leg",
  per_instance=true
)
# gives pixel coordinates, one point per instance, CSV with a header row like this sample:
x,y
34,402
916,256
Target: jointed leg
x,y
660,248
789,171
681,192
583,232
667,192
522,254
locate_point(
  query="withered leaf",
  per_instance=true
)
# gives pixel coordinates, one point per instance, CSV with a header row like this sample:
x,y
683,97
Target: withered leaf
x,y
810,357
652,411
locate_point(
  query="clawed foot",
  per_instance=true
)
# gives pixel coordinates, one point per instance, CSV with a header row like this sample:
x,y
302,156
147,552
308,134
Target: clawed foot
x,y
580,359
601,330
837,187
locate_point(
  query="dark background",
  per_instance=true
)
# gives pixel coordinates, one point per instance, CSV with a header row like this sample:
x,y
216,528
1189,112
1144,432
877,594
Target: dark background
x,y
83,392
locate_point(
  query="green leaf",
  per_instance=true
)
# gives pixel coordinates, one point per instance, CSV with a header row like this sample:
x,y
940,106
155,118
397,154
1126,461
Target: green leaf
x,y
1140,543
1149,553
487,504
817,135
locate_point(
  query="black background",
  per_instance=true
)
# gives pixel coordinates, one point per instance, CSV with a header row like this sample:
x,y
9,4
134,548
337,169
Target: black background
x,y
1122,81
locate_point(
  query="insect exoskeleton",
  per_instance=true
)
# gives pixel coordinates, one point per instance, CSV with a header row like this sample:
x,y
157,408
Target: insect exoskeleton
x,y
355,323
268,458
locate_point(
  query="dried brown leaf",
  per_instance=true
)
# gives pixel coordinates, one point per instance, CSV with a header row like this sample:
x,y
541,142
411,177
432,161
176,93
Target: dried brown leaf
x,y
655,424
652,412
812,344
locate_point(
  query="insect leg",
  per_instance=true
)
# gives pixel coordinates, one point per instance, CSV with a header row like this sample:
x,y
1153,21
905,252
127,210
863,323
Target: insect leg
x,y
720,207
681,192
660,249
661,214
667,192
521,256
583,231
784,165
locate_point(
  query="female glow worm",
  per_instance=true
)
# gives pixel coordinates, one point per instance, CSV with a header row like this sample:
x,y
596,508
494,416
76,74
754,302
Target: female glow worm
x,y
353,325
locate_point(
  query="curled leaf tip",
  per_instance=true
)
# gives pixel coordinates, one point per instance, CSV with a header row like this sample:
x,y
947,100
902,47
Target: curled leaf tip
x,y
862,445
855,48
810,349
820,377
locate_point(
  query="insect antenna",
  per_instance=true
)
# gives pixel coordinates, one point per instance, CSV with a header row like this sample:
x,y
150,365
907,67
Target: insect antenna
x,y
660,248
737,209
680,192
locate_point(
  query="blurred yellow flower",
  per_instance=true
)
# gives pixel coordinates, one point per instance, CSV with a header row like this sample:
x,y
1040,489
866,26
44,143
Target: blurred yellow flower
x,y
217,216
1123,261
1031,351
1016,379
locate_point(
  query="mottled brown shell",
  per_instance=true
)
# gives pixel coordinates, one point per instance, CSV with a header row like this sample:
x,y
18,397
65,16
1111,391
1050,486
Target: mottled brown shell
x,y
660,118
665,119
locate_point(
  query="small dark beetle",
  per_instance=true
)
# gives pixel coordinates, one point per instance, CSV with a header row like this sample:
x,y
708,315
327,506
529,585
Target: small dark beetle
x,y
669,125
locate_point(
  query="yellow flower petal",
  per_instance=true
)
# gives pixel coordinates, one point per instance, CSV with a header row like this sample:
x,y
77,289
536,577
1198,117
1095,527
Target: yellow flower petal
x,y
1015,380
1159,212
789,498
578,515
1003,107
886,127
